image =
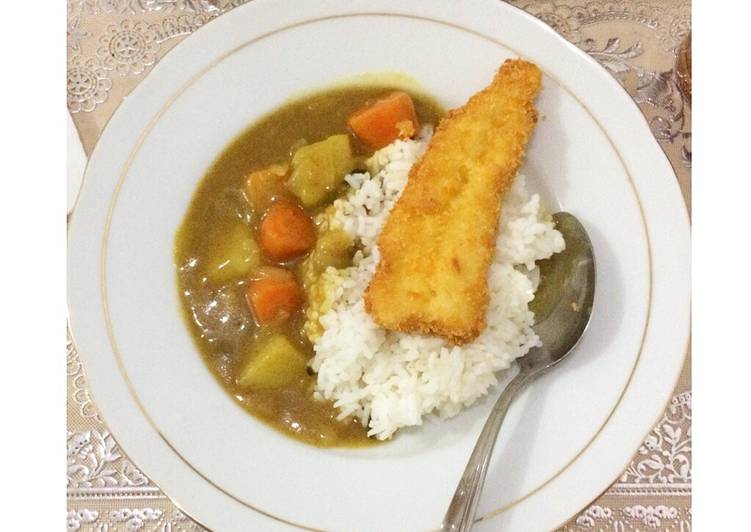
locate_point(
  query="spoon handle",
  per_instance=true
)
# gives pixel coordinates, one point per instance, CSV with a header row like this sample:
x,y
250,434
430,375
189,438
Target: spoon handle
x,y
461,512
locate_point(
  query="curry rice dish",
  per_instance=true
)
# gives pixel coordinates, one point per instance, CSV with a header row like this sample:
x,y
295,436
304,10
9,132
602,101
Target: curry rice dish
x,y
280,243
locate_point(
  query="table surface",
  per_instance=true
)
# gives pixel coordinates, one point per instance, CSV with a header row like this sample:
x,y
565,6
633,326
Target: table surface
x,y
113,44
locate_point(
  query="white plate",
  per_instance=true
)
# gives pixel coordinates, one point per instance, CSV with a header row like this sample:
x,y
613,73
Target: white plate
x,y
76,162
567,437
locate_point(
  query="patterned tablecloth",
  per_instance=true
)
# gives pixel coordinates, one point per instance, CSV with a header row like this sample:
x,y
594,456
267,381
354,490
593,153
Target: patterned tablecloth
x,y
113,44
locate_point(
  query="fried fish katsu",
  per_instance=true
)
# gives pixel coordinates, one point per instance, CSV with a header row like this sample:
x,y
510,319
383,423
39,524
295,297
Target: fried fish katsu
x,y
438,242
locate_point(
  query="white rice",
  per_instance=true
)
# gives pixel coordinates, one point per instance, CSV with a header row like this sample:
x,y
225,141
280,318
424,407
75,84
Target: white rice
x,y
389,379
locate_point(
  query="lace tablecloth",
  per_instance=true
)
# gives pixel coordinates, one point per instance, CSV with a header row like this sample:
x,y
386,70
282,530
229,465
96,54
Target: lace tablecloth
x,y
112,45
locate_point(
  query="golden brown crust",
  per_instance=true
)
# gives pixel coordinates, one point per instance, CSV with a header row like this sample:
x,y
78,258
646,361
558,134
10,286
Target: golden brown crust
x,y
438,242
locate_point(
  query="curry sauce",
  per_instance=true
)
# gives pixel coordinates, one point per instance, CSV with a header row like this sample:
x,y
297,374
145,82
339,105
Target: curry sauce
x,y
215,307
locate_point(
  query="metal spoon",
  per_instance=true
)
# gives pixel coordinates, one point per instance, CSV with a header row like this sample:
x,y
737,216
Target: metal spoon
x,y
562,306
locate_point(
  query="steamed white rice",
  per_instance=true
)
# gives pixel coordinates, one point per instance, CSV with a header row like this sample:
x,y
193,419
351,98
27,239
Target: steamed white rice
x,y
389,379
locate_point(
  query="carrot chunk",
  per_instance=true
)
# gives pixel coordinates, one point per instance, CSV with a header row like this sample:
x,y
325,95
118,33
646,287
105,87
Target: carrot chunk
x,y
263,186
286,231
274,295
385,120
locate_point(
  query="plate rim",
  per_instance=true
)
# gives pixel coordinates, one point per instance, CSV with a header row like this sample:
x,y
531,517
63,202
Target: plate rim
x,y
540,25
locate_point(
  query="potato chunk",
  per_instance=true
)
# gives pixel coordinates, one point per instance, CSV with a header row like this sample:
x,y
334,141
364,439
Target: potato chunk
x,y
234,254
274,364
317,169
333,248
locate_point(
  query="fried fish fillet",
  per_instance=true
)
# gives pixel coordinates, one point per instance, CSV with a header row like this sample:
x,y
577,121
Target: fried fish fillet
x,y
438,241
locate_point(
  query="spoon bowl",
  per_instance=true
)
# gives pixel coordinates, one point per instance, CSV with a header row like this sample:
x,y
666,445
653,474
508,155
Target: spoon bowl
x,y
562,307
563,302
